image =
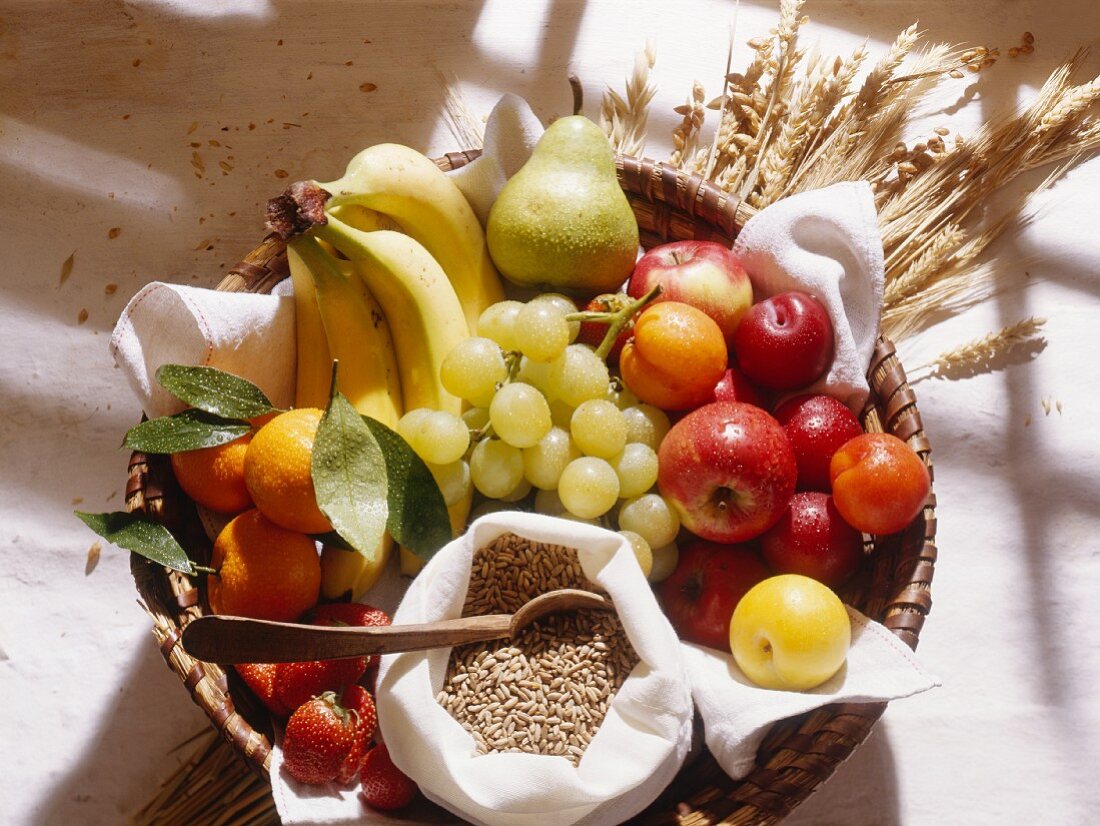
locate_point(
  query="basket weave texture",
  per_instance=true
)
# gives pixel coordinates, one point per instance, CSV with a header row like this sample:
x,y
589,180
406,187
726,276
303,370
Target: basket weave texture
x,y
797,755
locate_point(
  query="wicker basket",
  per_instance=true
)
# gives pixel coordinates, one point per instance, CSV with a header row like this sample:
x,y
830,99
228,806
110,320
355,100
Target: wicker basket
x,y
797,755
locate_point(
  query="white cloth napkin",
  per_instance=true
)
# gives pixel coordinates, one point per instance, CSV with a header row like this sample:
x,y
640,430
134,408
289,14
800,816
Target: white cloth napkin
x,y
637,750
736,713
249,335
824,242
511,132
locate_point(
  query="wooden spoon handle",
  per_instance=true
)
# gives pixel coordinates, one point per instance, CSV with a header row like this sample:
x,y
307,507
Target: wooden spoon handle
x,y
223,639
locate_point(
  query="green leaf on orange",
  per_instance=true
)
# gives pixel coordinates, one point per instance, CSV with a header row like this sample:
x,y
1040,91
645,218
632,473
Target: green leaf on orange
x,y
349,477
214,391
134,533
418,518
190,430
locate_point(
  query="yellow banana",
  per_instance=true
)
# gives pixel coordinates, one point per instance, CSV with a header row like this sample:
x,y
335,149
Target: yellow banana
x,y
365,219
419,302
408,187
314,368
357,334
349,572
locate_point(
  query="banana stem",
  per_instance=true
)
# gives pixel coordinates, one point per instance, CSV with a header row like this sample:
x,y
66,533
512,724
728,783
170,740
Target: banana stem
x,y
344,238
297,210
615,320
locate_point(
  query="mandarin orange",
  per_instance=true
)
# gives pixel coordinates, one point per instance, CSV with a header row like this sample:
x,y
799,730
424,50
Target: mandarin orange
x,y
214,476
263,571
278,475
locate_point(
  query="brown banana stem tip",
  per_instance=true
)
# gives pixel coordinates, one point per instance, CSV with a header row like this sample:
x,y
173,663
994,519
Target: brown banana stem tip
x,y
297,210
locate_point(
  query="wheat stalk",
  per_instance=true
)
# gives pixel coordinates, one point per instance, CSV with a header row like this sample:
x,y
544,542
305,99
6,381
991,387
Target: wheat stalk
x,y
780,71
463,126
742,105
823,117
781,131
685,137
981,354
923,267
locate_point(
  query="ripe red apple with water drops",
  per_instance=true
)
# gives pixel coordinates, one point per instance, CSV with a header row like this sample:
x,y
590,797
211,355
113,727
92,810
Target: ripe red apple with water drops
x,y
734,387
785,342
813,539
705,274
817,426
728,470
709,580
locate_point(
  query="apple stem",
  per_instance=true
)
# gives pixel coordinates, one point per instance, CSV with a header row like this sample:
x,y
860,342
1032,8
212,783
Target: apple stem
x,y
616,320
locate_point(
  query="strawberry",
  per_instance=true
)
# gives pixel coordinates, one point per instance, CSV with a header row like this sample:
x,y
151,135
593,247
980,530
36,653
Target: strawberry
x,y
384,785
358,701
260,677
295,683
351,613
318,737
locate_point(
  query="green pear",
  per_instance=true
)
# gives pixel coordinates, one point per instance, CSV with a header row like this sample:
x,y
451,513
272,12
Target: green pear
x,y
562,222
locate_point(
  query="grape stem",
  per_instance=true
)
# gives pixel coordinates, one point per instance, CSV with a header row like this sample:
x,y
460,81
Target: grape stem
x,y
513,359
477,434
616,320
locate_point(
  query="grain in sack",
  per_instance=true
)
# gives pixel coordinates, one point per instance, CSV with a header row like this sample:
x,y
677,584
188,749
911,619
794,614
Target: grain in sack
x,y
584,717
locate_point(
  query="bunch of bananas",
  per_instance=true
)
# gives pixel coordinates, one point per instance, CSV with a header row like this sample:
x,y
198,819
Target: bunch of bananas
x,y
388,278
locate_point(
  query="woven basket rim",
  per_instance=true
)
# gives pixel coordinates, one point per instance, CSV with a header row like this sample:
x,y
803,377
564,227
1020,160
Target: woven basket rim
x,y
798,754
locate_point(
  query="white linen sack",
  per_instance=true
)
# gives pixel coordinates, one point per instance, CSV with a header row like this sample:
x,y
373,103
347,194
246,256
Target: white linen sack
x,y
635,753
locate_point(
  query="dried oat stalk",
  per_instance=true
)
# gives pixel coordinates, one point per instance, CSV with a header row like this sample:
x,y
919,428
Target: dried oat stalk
x,y
624,119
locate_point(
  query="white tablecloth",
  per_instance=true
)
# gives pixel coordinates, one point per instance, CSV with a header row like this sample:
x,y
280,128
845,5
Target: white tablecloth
x,y
144,138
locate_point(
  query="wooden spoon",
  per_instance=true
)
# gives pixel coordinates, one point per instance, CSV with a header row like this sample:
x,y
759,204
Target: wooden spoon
x,y
223,639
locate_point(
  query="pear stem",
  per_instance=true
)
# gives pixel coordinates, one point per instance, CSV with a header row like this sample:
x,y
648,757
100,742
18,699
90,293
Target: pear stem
x,y
578,94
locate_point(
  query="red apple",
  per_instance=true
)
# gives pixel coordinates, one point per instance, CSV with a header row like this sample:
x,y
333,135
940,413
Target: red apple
x,y
817,426
785,342
734,387
728,470
704,274
813,539
709,580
